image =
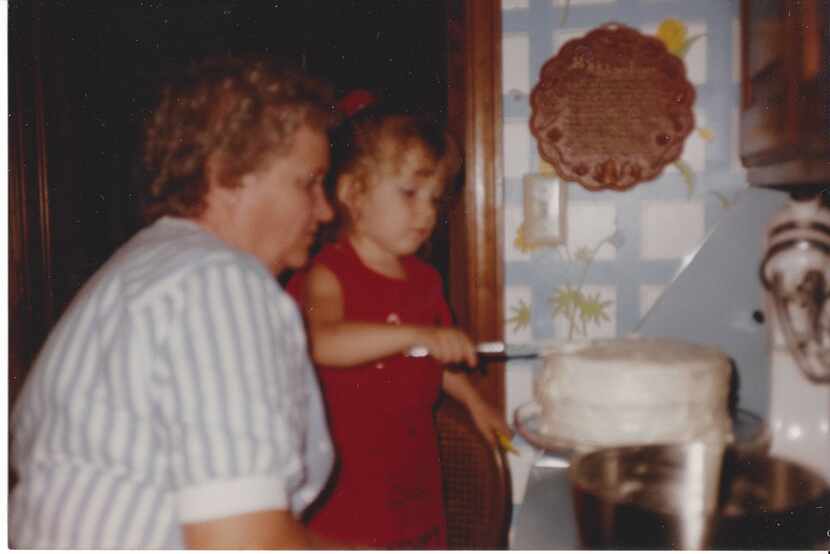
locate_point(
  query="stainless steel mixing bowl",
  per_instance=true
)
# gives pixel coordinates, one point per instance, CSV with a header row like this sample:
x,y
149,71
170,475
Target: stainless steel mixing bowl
x,y
677,497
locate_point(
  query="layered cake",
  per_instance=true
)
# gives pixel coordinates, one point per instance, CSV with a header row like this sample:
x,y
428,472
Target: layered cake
x,y
614,392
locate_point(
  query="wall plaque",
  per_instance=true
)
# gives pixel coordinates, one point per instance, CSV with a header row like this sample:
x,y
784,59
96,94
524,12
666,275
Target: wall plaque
x,y
612,109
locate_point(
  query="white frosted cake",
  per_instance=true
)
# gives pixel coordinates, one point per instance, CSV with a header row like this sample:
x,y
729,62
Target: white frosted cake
x,y
625,391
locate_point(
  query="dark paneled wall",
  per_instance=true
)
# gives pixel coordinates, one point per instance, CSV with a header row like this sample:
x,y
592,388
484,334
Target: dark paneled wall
x,y
83,74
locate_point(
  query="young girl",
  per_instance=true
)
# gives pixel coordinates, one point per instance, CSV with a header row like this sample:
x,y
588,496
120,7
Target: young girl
x,y
368,300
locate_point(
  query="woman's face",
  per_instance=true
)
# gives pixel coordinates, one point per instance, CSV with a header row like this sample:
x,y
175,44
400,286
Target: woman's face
x,y
280,206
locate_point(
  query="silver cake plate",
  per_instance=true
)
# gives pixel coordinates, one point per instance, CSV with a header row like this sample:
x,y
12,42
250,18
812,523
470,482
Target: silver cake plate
x,y
527,420
749,431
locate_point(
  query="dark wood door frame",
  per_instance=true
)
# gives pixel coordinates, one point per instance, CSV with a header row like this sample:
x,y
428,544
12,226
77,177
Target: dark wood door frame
x,y
476,223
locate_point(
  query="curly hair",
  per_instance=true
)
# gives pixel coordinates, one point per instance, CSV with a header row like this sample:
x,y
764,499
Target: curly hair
x,y
376,139
239,112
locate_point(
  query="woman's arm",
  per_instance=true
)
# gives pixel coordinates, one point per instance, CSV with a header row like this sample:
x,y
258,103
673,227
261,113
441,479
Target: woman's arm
x,y
337,342
269,529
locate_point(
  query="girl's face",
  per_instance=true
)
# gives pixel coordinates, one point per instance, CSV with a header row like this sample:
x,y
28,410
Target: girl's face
x,y
395,213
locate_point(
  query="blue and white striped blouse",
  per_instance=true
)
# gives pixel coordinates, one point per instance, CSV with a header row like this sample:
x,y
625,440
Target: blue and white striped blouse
x,y
176,389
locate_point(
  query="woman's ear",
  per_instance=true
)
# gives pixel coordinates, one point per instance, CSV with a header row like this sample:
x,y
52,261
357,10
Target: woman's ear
x,y
218,195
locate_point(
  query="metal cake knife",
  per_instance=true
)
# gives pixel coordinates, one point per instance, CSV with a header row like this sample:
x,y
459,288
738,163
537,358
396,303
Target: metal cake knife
x,y
491,350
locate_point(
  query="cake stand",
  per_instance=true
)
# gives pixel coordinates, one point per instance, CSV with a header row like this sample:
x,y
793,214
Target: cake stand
x,y
750,433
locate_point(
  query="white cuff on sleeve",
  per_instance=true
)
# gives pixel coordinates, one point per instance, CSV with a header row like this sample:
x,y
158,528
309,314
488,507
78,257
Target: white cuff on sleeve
x,y
219,499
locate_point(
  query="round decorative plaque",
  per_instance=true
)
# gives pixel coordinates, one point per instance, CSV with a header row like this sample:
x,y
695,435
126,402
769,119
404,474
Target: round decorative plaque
x,y
612,109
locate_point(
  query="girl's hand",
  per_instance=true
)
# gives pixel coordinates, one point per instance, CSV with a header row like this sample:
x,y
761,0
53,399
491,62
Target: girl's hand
x,y
447,345
489,422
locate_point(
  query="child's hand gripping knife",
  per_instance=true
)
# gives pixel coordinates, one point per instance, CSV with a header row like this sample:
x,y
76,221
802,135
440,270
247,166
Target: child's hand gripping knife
x,y
446,344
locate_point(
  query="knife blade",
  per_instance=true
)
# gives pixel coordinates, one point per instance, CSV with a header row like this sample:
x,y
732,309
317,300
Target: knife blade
x,y
490,350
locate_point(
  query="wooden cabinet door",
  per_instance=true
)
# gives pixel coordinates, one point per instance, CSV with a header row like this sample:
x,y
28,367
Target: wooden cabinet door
x,y
785,107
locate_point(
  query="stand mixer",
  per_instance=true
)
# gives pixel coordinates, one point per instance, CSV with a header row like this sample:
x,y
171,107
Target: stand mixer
x,y
795,273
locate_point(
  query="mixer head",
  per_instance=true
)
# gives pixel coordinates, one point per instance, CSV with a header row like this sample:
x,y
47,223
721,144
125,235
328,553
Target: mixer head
x,y
796,274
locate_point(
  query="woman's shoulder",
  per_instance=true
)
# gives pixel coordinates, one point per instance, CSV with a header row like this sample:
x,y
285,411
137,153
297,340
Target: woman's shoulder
x,y
173,254
194,249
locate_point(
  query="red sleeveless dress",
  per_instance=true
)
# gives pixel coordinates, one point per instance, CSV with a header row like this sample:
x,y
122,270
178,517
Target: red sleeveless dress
x,y
386,491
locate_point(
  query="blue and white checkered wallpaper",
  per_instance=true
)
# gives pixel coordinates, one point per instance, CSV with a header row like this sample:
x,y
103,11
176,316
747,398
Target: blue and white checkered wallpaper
x,y
622,248
650,227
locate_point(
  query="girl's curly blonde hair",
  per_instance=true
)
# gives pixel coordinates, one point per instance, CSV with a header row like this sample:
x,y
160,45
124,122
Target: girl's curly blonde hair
x,y
236,113
373,141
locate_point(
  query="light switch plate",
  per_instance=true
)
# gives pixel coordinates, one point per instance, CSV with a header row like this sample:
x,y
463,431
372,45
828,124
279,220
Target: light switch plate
x,y
545,203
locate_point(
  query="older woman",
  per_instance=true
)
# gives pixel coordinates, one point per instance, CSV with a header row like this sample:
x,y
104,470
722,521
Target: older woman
x,y
174,404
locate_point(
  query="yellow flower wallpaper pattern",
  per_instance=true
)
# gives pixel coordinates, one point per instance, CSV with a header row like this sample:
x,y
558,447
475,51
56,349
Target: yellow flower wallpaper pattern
x,y
675,35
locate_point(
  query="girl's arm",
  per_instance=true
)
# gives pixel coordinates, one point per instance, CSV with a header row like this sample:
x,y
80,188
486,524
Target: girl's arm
x,y
337,342
489,422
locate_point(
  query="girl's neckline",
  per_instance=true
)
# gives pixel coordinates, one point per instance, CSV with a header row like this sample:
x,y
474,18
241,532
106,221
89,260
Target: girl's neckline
x,y
347,241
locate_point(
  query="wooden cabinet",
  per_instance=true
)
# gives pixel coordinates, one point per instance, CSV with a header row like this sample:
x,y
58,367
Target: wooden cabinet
x,y
785,107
